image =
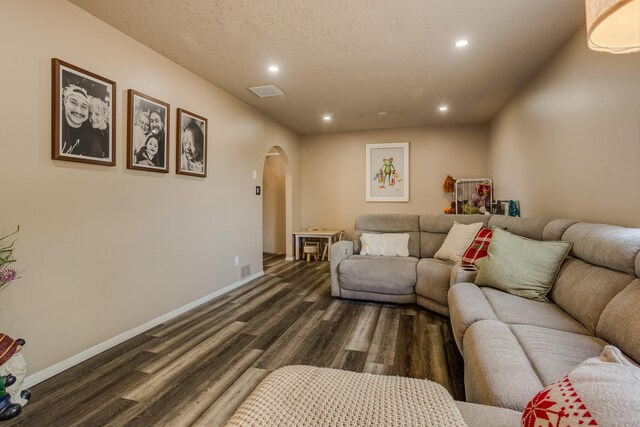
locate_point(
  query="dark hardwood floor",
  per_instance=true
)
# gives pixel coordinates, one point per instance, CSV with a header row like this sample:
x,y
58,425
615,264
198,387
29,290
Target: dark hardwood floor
x,y
197,368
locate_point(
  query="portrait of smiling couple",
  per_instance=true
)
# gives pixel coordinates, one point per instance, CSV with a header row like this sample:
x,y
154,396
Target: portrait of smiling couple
x,y
83,115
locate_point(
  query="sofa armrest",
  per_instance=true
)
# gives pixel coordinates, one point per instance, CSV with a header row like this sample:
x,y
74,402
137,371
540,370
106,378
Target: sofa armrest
x,y
467,305
339,252
461,274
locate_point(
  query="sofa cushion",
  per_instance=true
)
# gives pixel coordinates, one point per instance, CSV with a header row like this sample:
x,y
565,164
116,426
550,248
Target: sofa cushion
x,y
467,305
583,290
531,228
521,266
385,275
497,371
457,241
430,243
433,279
434,229
514,310
385,244
553,353
442,223
605,245
603,391
389,223
556,228
620,321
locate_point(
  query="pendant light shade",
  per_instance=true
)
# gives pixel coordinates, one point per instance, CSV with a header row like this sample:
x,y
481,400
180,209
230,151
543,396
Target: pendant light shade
x,y
613,25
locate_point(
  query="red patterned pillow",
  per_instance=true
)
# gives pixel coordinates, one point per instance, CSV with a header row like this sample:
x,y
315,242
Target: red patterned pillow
x,y
601,391
558,405
478,248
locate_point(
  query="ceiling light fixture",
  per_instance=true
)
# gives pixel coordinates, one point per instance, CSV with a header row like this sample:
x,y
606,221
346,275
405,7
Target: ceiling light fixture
x,y
326,118
613,25
382,113
462,43
443,108
274,68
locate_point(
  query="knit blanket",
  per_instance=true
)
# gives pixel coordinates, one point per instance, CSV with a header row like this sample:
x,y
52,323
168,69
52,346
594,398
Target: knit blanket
x,y
297,396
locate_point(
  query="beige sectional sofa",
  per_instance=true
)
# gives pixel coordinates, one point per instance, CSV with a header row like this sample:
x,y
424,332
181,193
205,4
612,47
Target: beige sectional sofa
x,y
512,347
419,277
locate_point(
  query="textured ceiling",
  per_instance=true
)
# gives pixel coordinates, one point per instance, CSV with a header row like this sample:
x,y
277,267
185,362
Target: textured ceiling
x,y
355,58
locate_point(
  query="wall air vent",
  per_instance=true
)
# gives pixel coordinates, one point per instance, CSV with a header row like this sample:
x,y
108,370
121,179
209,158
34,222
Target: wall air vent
x,y
266,91
245,270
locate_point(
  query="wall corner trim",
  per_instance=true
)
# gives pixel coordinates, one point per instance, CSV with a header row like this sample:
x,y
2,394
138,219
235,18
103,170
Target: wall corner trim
x,y
52,370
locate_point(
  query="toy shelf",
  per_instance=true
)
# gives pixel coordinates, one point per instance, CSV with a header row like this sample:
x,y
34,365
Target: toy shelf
x,y
473,196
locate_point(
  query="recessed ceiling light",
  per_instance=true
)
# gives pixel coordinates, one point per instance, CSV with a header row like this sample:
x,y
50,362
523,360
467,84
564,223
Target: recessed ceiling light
x,y
462,43
382,113
443,108
274,68
326,118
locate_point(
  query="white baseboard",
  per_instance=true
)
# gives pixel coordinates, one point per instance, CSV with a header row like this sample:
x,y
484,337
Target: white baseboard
x,y
47,373
289,258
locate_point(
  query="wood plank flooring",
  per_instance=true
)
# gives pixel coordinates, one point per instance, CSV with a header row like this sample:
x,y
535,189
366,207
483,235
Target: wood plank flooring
x,y
197,368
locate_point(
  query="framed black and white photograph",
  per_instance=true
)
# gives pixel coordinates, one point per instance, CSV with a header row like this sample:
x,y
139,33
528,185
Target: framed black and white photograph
x,y
191,141
84,119
147,130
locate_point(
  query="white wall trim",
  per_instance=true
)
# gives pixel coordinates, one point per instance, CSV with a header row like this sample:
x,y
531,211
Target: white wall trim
x,y
289,258
47,373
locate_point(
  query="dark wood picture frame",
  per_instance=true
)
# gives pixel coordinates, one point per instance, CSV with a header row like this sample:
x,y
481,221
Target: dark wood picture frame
x,y
192,132
83,123
146,109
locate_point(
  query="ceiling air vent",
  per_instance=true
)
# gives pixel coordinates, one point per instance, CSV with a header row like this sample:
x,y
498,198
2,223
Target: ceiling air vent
x,y
266,91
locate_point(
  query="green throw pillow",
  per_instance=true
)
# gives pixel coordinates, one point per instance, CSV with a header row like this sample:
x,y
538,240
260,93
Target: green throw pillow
x,y
520,266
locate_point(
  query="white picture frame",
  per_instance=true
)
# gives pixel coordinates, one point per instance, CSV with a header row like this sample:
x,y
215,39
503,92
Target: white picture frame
x,y
387,172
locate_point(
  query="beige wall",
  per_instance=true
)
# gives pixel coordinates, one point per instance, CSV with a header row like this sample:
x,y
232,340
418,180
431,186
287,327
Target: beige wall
x,y
273,206
333,171
105,249
568,145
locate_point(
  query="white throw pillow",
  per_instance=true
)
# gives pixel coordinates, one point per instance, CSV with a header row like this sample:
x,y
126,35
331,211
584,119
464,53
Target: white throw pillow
x,y
385,244
457,241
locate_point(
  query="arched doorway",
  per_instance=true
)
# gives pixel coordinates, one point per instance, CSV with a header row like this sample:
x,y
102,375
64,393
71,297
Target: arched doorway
x,y
274,202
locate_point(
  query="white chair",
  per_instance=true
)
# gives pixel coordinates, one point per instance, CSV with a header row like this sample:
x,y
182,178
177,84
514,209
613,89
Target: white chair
x,y
325,249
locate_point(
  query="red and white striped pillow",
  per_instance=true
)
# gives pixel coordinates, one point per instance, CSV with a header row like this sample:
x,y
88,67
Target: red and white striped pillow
x,y
478,248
